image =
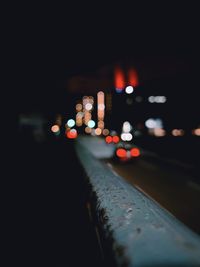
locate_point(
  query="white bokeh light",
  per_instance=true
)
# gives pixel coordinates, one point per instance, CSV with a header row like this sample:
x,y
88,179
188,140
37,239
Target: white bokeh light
x,y
157,99
88,106
126,136
91,124
126,127
71,123
154,123
129,89
150,123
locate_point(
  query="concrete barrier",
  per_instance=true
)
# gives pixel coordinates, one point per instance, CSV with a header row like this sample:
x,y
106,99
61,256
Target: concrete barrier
x,y
140,232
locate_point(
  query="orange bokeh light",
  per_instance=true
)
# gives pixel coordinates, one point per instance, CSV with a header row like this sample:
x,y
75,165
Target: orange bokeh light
x,y
98,131
55,128
197,131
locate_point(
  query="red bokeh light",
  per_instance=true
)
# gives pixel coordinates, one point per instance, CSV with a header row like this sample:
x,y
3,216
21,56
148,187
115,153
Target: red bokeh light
x,y
135,152
119,78
71,134
115,139
133,77
108,139
121,152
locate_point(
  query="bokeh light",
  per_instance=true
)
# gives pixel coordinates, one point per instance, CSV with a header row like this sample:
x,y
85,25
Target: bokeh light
x,y
55,128
71,134
105,132
177,132
126,136
129,89
135,152
79,107
71,123
91,124
108,139
121,152
115,139
98,131
88,130
197,131
88,106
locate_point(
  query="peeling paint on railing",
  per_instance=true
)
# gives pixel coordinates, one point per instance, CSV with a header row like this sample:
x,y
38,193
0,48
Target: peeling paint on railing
x,y
143,233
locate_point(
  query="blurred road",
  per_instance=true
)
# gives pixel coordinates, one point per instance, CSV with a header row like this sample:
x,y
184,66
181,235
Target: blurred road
x,y
170,187
183,150
170,184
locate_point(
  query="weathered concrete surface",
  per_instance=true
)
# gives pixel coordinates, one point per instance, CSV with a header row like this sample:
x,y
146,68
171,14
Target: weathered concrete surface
x,y
143,233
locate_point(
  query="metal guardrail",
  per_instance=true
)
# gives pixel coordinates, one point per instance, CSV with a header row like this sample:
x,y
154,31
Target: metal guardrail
x,y
143,233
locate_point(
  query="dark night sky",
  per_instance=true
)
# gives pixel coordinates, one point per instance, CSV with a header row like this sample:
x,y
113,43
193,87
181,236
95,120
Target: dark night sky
x,y
53,43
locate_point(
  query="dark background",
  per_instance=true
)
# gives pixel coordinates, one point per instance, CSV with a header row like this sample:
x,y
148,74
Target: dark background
x,y
47,45
52,43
